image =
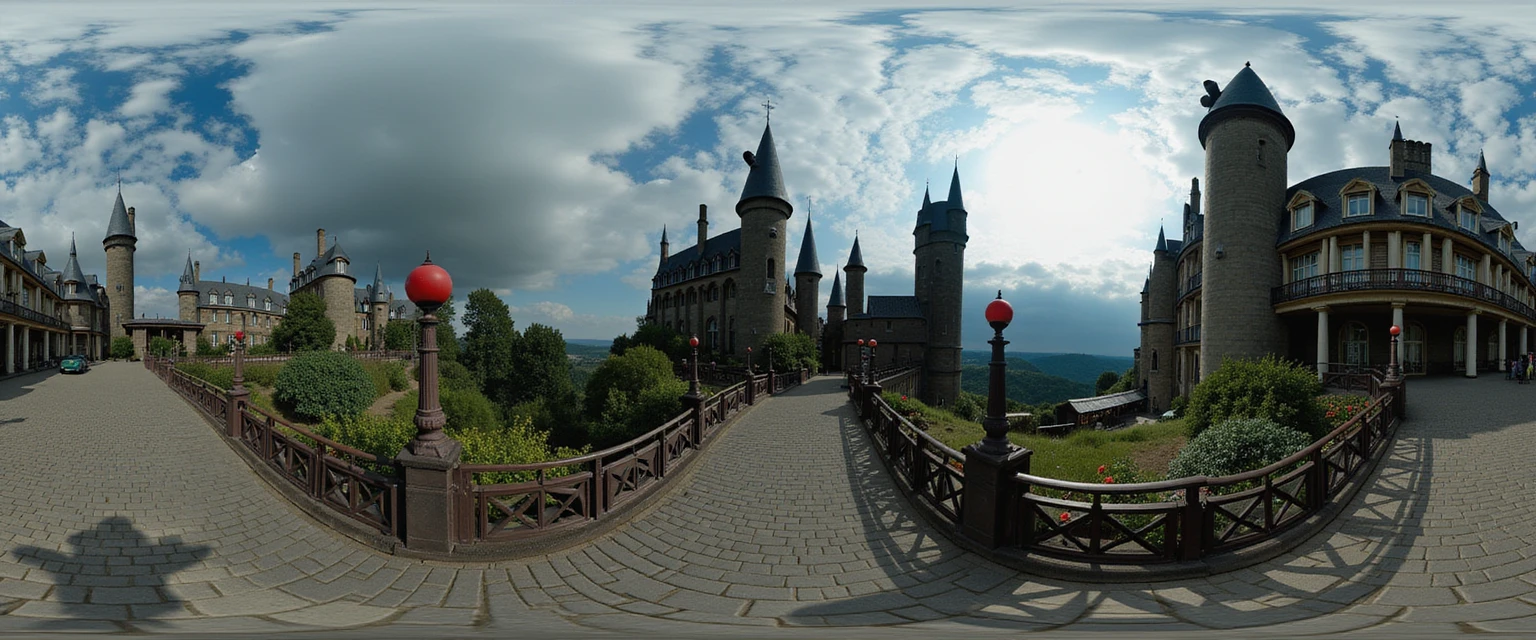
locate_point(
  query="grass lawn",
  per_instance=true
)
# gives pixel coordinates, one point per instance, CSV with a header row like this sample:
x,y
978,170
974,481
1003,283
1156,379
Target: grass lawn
x,y
1077,457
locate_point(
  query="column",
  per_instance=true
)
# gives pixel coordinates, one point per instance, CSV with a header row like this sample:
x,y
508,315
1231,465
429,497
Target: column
x,y
1397,321
1322,340
1365,249
1485,270
10,349
1326,260
1524,330
1426,258
1472,344
1394,250
26,346
1503,346
47,345
1334,263
1447,259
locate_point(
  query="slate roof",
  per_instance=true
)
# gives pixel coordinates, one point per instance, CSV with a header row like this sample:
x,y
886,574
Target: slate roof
x,y
764,179
1328,210
892,307
403,309
72,273
720,245
808,262
836,299
1175,246
279,299
188,278
933,213
1100,403
118,224
855,257
1246,93
325,265
380,294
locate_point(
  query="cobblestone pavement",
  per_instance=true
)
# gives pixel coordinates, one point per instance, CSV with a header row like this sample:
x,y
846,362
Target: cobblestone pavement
x,y
122,510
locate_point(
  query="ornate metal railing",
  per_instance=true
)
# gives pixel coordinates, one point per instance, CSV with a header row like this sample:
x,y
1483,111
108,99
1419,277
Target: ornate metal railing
x,y
1187,335
1190,284
212,401
760,385
1187,518
352,482
572,492
787,380
12,308
284,357
1399,279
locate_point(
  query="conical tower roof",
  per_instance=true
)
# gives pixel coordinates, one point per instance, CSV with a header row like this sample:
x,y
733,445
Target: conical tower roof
x,y
72,271
764,179
1397,131
955,201
836,300
188,276
855,257
1162,241
808,262
379,293
1482,163
118,224
1246,94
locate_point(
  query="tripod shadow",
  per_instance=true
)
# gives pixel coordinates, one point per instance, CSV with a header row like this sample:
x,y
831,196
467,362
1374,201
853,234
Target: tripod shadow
x,y
113,563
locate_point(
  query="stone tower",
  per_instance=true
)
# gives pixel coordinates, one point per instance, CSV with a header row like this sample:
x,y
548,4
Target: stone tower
x,y
1246,139
765,210
832,338
939,251
855,270
808,285
334,283
186,293
1480,178
120,244
1157,327
378,299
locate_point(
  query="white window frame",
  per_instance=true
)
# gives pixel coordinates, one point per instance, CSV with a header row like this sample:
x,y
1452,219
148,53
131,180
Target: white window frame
x,y
1466,218
1352,254
1304,266
1414,254
1416,198
1349,204
1297,217
1466,267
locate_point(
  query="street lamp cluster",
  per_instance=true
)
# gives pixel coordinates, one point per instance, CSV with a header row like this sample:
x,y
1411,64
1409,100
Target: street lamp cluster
x,y
867,360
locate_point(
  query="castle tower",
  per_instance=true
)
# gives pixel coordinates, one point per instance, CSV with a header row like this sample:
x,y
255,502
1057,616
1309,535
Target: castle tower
x,y
186,293
939,252
765,210
335,283
378,308
665,246
855,270
832,339
120,245
807,285
1157,327
1480,178
1246,139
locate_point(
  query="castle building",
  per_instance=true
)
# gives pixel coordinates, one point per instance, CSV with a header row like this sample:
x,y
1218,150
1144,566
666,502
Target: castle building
x,y
1317,271
46,314
731,290
923,328
224,307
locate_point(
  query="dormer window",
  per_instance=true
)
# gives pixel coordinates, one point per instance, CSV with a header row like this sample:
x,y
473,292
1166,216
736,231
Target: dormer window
x,y
269,304
1504,242
1358,204
1416,205
1468,218
250,300
213,298
1301,216
229,298
341,266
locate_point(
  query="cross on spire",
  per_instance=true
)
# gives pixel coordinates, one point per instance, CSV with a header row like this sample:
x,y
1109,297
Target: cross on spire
x,y
768,106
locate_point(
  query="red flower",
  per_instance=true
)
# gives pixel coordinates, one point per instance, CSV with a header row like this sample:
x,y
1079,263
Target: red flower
x,y
1109,479
1101,469
903,398
1330,414
1065,516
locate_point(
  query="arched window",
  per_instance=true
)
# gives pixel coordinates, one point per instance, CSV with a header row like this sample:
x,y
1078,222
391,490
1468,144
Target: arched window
x,y
1413,348
712,334
1459,352
730,336
1356,345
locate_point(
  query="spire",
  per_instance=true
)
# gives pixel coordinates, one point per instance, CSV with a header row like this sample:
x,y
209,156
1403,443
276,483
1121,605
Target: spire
x,y
118,224
1397,131
808,262
71,244
188,279
954,189
379,293
1482,163
836,300
855,257
1162,242
764,179
72,271
664,234
926,200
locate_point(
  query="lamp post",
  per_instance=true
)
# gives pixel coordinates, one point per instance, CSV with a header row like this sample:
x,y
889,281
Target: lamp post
x,y
693,371
238,395
999,314
863,363
429,287
749,362
1393,371
871,368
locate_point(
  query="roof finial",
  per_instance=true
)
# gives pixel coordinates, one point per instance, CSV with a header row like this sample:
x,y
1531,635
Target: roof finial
x,y
1247,64
768,106
119,183
999,294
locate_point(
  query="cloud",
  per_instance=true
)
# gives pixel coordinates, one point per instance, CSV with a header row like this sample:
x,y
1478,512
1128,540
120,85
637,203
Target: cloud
x,y
148,98
155,302
54,85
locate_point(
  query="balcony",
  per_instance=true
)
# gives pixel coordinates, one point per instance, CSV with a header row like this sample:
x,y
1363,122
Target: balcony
x,y
1191,283
1399,280
1187,335
11,308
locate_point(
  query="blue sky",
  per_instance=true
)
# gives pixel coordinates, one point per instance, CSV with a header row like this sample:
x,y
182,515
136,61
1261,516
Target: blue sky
x,y
538,150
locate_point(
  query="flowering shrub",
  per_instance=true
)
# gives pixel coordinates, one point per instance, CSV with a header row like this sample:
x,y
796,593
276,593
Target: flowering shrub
x,y
1235,446
1271,389
1338,409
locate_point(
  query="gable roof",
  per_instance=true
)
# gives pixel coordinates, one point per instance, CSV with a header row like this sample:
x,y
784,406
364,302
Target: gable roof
x,y
892,307
720,245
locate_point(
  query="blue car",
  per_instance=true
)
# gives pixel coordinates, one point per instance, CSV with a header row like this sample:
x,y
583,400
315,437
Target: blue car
x,y
74,364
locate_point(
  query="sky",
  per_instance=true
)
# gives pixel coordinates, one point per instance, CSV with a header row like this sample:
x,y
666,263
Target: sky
x,y
538,149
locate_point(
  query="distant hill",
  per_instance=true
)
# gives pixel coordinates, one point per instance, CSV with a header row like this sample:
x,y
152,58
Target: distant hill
x,y
1028,387
591,342
1081,367
574,348
982,358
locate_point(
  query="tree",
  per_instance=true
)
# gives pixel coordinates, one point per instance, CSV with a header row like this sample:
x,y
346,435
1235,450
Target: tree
x,y
540,368
122,348
628,375
1105,381
400,335
490,341
660,337
447,337
791,351
161,347
206,348
304,327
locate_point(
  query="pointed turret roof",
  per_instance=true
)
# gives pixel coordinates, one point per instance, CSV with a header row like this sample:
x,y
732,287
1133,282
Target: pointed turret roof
x,y
72,271
1397,131
926,199
836,299
1246,94
764,179
1162,241
380,294
808,262
955,202
855,257
118,224
1482,163
188,276
664,234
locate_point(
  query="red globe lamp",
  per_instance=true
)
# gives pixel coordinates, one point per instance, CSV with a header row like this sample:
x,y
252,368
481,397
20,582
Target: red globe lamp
x,y
999,313
873,343
240,336
428,286
749,349
1395,330
693,341
861,342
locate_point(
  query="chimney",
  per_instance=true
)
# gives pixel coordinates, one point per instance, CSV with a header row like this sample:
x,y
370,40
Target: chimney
x,y
1480,179
131,225
703,229
1409,155
319,242
197,271
269,284
295,264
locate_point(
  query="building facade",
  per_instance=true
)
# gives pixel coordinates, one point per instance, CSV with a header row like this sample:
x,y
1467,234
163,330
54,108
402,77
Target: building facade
x,y
46,314
731,290
923,328
1317,271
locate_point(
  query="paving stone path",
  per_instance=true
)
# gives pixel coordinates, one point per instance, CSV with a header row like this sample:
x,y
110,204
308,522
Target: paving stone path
x,y
121,510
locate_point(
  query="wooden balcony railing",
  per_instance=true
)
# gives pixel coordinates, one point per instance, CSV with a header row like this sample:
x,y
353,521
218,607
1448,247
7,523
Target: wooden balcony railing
x,y
1399,279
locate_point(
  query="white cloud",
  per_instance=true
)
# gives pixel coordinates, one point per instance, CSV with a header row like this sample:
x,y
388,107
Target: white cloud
x,y
154,302
148,98
55,85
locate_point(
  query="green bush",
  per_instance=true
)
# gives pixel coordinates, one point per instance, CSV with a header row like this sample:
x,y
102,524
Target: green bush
x,y
625,418
1236,446
903,405
639,368
122,348
206,348
398,380
1269,388
379,435
468,409
791,351
263,349
1179,406
970,406
517,443
315,384
381,373
162,347
561,418
221,376
262,373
